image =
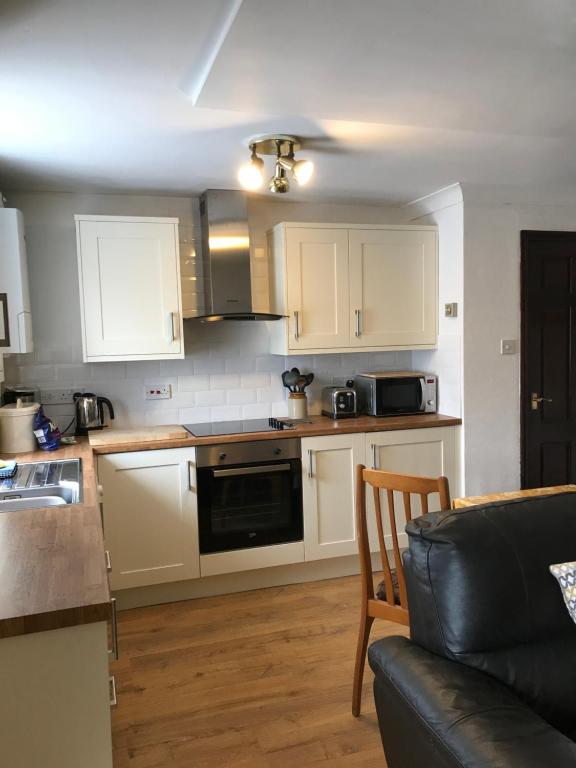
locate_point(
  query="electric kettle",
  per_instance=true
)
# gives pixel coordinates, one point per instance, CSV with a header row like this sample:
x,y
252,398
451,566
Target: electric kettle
x,y
90,412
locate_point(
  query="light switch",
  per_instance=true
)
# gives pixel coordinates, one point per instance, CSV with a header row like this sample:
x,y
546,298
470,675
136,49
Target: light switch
x,y
451,310
508,346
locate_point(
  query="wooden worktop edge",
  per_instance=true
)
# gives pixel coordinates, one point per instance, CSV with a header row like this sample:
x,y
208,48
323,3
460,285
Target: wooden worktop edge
x,y
319,427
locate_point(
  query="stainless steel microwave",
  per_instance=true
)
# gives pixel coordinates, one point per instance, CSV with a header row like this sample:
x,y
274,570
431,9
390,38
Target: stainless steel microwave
x,y
395,393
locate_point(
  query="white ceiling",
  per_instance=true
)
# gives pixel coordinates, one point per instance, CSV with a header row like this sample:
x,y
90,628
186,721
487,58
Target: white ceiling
x,y
402,98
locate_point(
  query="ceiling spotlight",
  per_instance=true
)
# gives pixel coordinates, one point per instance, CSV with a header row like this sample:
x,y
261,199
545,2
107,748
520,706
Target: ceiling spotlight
x,y
302,170
283,147
250,174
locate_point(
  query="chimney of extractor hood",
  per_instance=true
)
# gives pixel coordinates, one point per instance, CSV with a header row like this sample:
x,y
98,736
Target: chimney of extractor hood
x,y
226,258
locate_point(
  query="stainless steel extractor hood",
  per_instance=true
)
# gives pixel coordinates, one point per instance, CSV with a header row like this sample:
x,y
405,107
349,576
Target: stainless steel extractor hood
x,y
226,258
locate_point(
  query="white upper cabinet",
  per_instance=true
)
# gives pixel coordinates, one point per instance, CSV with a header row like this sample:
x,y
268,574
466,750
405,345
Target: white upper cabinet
x,y
15,317
130,294
317,287
346,288
392,287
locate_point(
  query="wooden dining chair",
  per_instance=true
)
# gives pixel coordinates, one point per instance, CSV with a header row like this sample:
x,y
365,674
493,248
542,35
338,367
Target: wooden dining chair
x,y
389,600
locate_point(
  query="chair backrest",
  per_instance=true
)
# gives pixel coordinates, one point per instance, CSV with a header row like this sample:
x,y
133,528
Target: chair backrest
x,y
390,482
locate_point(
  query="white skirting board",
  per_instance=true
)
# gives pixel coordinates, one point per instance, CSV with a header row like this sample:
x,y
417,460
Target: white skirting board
x,y
241,582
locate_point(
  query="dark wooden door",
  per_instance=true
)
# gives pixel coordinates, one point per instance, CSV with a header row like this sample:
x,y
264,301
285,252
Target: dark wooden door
x,y
548,358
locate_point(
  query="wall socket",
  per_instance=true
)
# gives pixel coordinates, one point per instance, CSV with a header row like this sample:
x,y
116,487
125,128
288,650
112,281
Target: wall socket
x,y
158,391
57,396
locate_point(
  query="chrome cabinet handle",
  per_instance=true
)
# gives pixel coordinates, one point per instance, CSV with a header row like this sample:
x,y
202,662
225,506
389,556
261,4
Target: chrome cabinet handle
x,y
113,698
357,332
171,331
310,471
114,620
191,486
108,561
535,400
374,457
296,324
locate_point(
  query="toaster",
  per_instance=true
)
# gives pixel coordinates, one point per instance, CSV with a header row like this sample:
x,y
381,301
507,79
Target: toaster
x,y
338,402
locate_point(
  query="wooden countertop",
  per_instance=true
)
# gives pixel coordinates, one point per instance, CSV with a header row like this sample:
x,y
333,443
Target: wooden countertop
x,y
131,440
52,568
474,501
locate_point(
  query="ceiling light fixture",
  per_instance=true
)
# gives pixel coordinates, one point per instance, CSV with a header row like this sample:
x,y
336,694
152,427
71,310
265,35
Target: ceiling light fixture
x,y
283,147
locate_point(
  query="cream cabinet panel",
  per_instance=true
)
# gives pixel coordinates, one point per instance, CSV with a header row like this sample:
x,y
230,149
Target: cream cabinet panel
x,y
393,287
329,465
130,294
55,704
345,287
317,282
150,516
429,452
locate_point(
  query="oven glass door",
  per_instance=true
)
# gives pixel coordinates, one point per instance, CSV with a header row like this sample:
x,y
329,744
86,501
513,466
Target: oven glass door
x,y
401,395
249,505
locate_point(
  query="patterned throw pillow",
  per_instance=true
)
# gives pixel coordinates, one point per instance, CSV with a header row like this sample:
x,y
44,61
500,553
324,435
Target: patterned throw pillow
x,y
566,575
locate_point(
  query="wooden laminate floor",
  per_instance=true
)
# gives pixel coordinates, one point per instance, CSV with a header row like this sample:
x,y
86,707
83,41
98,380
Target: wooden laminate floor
x,y
260,679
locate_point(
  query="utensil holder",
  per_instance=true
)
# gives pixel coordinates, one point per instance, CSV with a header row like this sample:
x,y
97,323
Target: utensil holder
x,y
297,405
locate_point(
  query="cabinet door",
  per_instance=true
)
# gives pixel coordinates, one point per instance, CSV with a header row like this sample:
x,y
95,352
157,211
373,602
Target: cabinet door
x,y
130,289
393,287
317,288
150,516
329,465
429,452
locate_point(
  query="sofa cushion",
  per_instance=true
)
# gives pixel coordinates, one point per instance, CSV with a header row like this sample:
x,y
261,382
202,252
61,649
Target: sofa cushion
x,y
480,592
566,575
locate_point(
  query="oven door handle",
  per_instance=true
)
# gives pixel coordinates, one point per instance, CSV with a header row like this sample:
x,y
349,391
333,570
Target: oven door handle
x,y
237,471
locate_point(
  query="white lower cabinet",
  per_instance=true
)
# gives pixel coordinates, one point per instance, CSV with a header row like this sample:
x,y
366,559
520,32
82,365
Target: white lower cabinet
x,y
429,452
150,516
56,697
329,465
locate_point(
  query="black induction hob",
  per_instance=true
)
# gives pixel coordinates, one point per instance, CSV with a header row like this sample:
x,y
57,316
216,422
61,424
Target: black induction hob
x,y
241,427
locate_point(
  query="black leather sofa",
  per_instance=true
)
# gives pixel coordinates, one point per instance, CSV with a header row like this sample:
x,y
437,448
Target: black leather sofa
x,y
488,679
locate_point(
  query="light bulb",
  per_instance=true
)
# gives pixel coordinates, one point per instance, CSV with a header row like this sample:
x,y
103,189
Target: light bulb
x,y
303,170
250,175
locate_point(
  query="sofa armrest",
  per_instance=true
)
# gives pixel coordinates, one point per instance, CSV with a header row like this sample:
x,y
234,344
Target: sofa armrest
x,y
438,713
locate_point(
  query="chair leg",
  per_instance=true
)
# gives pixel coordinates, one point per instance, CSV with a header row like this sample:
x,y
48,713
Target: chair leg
x,y
363,635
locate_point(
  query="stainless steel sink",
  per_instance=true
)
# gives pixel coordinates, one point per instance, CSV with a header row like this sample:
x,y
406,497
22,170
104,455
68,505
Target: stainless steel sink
x,y
42,484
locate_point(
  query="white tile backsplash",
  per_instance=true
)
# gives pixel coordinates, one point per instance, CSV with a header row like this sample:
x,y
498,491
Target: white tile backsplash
x,y
226,375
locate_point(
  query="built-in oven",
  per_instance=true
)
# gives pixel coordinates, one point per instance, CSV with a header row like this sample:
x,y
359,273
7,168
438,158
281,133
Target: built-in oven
x,y
249,494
